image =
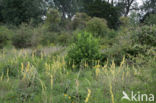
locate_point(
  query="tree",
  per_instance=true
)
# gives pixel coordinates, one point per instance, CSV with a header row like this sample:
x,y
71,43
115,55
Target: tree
x,y
0,10
53,20
151,19
67,7
18,11
127,5
148,8
102,9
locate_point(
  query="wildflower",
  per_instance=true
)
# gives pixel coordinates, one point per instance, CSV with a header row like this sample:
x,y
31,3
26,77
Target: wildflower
x,y
73,66
123,76
97,72
86,64
8,74
113,65
123,61
111,92
2,76
65,95
51,81
69,97
22,67
87,98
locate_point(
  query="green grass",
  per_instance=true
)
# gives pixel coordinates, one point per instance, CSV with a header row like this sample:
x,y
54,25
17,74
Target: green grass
x,y
36,76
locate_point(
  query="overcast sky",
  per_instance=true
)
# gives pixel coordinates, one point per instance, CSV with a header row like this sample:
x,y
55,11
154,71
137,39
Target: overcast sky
x,y
140,2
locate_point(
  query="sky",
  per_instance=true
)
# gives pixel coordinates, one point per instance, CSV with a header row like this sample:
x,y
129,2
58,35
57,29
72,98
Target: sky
x,y
140,2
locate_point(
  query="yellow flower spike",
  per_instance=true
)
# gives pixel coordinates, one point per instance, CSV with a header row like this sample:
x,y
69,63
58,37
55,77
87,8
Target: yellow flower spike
x,y
51,81
65,95
113,65
49,67
123,76
63,61
22,67
85,64
105,66
97,72
2,76
88,96
46,66
8,75
98,62
73,66
24,75
27,67
127,74
69,97
111,92
77,83
122,63
43,85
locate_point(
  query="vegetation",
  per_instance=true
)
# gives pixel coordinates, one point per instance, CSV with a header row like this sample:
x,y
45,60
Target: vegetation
x,y
77,51
83,51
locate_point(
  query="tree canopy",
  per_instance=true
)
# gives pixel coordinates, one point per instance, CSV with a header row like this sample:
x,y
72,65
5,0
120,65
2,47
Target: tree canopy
x,y
104,10
18,11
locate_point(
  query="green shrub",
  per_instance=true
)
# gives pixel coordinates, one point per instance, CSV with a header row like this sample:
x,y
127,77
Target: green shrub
x,y
84,50
5,36
26,36
128,44
49,37
146,35
125,21
97,26
151,20
64,38
37,36
53,20
79,20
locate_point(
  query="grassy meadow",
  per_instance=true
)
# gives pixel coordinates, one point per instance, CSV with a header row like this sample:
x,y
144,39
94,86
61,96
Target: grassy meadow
x,y
77,51
42,76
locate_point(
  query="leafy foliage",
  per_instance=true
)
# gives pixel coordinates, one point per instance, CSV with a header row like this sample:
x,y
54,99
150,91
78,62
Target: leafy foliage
x,y
5,36
98,27
151,20
18,11
67,7
53,20
103,9
85,49
26,36
79,20
146,35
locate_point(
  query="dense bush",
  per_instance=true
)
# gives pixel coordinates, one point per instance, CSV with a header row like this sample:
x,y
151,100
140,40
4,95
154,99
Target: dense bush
x,y
97,26
125,21
26,36
79,20
130,44
151,20
103,9
49,37
146,35
5,36
84,50
53,20
64,38
16,11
